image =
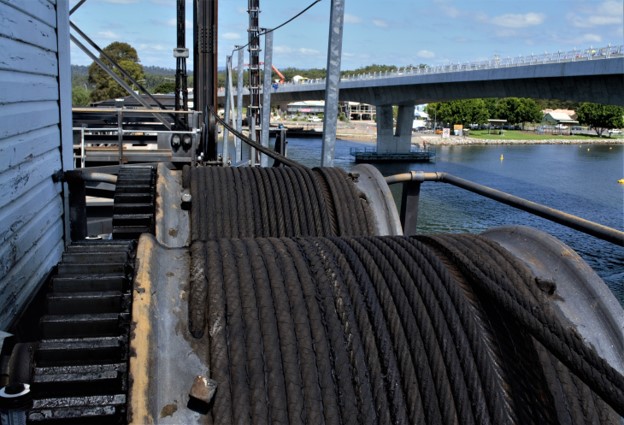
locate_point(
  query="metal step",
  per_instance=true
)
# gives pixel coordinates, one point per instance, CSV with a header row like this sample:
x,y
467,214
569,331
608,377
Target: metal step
x,y
80,351
82,410
92,269
85,302
80,325
85,380
103,283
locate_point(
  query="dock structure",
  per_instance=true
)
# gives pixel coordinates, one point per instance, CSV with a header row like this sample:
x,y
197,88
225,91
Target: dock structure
x,y
374,156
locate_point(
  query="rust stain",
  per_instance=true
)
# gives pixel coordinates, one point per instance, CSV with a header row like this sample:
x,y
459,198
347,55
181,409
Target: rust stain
x,y
168,410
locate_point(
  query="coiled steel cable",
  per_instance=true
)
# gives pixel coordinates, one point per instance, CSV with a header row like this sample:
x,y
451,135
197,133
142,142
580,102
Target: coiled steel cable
x,y
537,318
276,202
386,330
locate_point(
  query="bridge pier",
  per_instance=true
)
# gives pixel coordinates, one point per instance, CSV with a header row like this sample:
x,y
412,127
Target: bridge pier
x,y
393,140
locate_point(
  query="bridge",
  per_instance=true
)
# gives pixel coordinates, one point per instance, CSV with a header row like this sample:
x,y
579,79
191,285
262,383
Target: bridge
x,y
590,75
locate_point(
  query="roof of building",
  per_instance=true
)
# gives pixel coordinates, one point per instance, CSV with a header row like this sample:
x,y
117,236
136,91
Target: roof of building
x,y
560,116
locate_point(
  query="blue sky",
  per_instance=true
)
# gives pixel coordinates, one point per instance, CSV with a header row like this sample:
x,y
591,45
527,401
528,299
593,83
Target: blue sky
x,y
391,32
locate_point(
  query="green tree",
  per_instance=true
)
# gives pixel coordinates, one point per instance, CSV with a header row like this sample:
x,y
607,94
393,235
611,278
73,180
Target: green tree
x,y
165,87
518,110
600,117
492,105
466,112
80,96
107,88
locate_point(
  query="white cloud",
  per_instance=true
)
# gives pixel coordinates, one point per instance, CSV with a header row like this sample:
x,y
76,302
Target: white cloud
x,y
513,20
588,39
450,11
109,35
447,9
231,36
311,52
380,23
287,50
425,54
611,7
154,47
607,13
595,21
352,19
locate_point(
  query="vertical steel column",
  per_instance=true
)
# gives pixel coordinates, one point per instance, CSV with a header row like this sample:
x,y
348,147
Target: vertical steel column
x,y
334,56
226,110
253,110
120,133
409,207
205,70
266,94
239,103
181,53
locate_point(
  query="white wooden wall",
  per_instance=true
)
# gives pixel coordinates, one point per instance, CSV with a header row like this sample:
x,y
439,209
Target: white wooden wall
x,y
35,143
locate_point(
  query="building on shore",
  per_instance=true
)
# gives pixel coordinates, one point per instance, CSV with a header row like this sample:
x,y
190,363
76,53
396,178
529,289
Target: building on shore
x,y
353,110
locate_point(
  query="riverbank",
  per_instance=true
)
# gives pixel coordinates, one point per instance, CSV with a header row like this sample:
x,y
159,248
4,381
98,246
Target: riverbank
x,y
366,132
437,140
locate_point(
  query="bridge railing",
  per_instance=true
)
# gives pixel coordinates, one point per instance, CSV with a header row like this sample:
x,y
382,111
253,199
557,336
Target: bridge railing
x,y
494,63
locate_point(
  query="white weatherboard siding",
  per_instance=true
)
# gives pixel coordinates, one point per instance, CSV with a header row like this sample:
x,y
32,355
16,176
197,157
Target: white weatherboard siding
x,y
35,143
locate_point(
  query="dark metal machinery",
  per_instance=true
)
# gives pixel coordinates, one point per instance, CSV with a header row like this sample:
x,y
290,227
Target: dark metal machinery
x,y
276,269
205,14
181,53
254,67
76,362
293,296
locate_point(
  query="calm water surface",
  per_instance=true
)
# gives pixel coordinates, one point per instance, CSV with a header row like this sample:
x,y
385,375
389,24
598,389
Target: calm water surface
x,y
578,179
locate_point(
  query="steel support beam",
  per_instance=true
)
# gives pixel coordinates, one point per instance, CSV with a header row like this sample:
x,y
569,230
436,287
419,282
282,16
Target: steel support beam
x,y
239,102
119,80
253,109
228,106
205,31
181,53
266,95
334,56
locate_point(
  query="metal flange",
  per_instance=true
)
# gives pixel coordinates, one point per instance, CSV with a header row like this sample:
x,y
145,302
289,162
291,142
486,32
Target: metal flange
x,y
580,294
372,183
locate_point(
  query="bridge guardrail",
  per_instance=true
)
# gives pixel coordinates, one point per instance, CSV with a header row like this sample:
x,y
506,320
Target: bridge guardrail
x,y
494,63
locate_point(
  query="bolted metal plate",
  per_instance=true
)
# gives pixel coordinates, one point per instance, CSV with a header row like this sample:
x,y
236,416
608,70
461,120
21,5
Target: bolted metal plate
x,y
580,294
374,186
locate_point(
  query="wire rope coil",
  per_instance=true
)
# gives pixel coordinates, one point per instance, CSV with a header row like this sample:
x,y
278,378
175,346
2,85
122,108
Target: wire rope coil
x,y
440,329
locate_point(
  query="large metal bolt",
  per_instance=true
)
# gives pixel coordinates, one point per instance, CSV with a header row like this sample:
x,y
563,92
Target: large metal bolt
x,y
186,200
201,394
15,401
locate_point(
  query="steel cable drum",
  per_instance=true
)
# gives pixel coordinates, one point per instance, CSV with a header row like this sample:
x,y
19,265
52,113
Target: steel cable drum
x,y
276,202
442,329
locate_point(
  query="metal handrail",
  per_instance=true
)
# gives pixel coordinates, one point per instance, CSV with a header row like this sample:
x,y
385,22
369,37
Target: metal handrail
x,y
494,63
574,222
117,128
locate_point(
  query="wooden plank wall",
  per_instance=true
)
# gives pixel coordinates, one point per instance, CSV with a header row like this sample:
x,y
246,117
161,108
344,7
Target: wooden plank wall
x,y
32,90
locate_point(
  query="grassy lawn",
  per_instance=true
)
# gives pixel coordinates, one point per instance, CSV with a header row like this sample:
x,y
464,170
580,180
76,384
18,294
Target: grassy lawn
x,y
529,135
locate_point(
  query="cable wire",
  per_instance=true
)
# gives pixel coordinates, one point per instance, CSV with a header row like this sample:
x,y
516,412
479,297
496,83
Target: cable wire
x,y
266,31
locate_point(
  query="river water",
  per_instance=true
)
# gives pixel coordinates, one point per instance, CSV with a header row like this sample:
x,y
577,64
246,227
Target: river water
x,y
578,179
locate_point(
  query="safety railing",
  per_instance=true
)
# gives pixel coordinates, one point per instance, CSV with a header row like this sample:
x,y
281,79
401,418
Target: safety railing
x,y
411,194
110,129
494,63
